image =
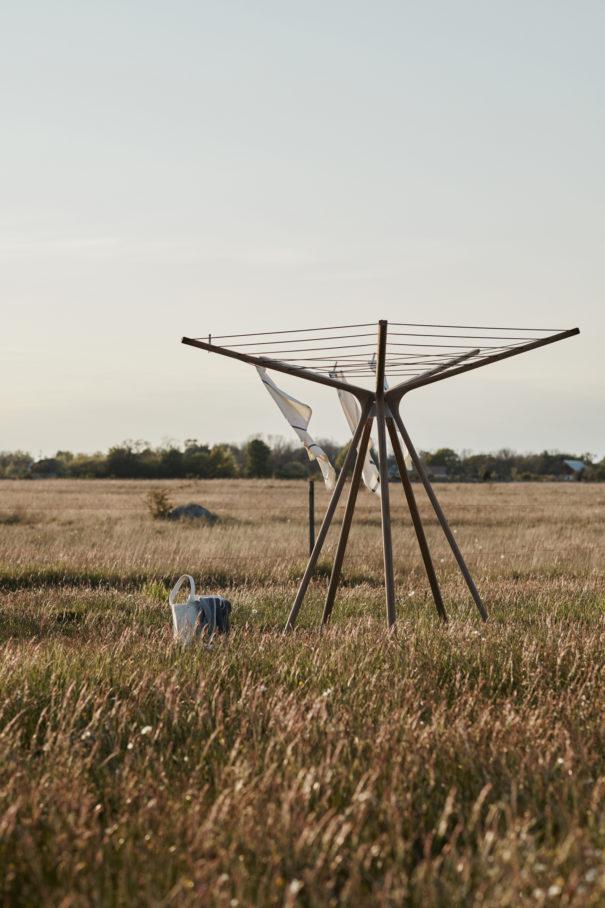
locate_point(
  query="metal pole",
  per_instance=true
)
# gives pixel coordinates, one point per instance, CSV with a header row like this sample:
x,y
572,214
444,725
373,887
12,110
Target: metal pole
x,y
440,515
383,469
346,523
415,514
311,516
323,532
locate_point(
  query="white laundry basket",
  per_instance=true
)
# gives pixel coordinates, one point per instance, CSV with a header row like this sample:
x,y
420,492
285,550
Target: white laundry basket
x,y
184,614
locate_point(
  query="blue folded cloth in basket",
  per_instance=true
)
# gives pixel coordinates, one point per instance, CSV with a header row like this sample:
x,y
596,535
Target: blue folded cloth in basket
x,y
212,615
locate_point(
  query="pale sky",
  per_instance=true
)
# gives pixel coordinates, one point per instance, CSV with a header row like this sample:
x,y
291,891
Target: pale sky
x,y
181,168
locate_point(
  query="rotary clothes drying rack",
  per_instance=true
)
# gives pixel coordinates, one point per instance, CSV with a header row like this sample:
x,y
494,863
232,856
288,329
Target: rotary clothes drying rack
x,y
418,354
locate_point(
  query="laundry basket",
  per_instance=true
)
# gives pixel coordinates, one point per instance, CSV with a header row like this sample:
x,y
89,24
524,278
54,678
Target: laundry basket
x,y
184,614
198,615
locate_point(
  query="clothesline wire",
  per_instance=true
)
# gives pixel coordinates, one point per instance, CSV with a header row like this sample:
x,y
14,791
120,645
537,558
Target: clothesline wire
x,y
313,340
353,358
365,356
357,369
466,336
373,325
301,340
371,348
390,374
390,364
364,367
395,369
410,357
472,327
292,331
357,366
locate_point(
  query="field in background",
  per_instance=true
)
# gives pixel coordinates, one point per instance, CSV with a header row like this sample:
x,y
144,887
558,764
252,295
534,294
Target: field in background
x,y
447,765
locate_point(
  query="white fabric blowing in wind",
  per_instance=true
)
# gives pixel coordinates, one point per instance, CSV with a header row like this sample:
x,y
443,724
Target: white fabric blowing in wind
x,y
299,416
352,412
406,454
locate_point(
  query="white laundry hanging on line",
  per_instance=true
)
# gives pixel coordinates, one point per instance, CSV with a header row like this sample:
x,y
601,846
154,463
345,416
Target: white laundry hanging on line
x,y
299,415
352,411
406,455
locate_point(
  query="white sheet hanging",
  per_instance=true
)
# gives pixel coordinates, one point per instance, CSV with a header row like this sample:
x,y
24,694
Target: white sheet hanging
x,y
299,415
352,412
406,455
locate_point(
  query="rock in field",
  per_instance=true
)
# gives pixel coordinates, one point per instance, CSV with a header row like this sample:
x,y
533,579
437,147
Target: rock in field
x,y
192,511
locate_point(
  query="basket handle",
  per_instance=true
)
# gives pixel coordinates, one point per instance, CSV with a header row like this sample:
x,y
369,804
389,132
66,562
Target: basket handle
x,y
175,589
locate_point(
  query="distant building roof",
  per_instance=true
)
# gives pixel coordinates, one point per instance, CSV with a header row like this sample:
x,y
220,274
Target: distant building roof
x,y
576,465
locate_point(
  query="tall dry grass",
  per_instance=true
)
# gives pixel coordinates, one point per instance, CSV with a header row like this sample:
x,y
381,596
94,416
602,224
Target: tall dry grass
x,y
449,765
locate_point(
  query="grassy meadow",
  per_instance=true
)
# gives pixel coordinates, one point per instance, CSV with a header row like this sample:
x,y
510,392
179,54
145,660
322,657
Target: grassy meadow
x,y
458,764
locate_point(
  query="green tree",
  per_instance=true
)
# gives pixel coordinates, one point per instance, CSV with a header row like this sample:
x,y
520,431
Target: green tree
x,y
122,462
172,463
15,464
293,469
196,459
341,456
596,472
87,466
48,466
257,460
444,457
222,463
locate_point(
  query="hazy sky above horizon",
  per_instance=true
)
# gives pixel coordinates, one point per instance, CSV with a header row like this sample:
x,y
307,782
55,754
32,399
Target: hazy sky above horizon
x,y
196,167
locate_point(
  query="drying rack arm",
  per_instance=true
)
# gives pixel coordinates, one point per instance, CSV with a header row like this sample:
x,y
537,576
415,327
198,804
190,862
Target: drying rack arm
x,y
264,362
395,394
404,385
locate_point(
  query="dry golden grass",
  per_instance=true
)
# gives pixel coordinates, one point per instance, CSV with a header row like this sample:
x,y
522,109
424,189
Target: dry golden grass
x,y
458,764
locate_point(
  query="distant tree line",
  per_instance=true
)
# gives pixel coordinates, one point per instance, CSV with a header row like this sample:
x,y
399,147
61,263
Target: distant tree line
x,y
508,466
279,460
139,460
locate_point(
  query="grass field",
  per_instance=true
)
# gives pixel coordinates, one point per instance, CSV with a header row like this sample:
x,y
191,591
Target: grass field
x,y
445,765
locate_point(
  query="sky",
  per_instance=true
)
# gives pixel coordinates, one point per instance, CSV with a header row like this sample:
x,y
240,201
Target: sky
x,y
181,168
